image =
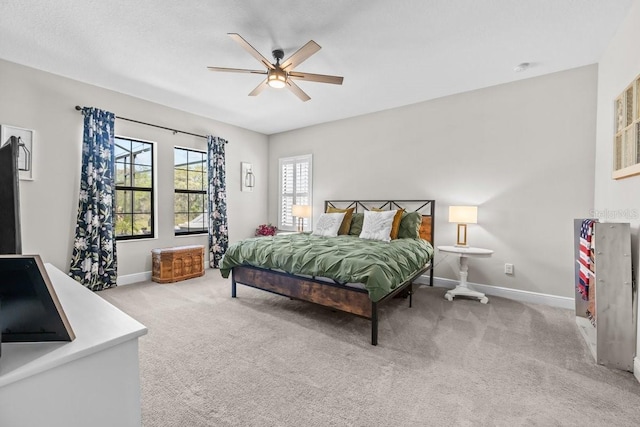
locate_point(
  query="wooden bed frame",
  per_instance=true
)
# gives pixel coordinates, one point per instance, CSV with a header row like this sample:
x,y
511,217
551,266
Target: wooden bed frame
x,y
339,297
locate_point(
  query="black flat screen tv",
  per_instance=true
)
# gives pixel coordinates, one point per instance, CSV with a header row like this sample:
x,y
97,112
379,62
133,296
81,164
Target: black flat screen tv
x,y
29,307
10,233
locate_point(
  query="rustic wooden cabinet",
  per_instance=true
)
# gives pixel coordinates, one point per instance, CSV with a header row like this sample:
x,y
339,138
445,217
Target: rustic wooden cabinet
x,y
607,319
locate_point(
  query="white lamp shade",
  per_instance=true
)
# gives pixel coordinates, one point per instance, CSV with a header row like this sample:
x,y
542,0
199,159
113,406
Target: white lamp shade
x,y
301,211
463,214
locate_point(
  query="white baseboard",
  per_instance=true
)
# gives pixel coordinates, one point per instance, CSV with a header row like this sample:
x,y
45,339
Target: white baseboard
x,y
128,279
514,294
636,368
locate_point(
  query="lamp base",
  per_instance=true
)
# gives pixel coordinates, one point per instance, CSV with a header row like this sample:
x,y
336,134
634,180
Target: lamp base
x,y
300,225
462,236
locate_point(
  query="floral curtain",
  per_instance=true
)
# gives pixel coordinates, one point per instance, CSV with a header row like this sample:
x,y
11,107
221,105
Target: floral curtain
x,y
218,231
94,262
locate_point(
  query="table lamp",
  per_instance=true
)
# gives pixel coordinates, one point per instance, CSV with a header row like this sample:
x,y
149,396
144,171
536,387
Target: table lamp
x,y
463,215
301,212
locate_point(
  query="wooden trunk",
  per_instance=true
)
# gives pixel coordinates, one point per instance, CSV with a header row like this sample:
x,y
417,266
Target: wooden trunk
x,y
179,263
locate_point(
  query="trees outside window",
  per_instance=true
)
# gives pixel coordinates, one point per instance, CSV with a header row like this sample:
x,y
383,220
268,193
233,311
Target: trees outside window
x,y
190,191
134,189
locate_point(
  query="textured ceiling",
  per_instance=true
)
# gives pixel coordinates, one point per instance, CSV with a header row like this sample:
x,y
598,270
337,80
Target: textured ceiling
x,y
391,53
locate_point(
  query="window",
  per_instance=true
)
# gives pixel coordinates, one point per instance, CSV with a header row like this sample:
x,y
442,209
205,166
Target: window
x,y
295,189
190,206
134,189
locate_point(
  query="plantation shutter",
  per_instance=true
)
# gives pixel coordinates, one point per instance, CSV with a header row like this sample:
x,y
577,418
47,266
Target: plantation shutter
x,y
295,189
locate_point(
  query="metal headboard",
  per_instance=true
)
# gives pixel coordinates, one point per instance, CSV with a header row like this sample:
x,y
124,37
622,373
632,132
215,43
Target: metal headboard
x,y
426,207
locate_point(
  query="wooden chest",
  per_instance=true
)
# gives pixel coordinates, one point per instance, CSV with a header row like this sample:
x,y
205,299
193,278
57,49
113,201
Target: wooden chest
x,y
179,263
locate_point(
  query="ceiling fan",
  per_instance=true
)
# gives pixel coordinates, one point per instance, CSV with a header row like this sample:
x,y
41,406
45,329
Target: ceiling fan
x,y
281,75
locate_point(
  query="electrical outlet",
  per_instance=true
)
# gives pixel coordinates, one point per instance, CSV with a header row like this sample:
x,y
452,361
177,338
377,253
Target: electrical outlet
x,y
508,268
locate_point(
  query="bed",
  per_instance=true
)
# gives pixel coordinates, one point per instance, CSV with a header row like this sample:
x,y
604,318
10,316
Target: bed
x,y
343,273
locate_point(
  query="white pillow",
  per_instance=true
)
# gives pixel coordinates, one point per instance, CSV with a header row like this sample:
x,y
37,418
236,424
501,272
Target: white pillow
x,y
328,224
377,225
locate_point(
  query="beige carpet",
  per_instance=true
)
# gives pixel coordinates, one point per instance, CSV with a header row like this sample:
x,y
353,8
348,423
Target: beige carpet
x,y
265,360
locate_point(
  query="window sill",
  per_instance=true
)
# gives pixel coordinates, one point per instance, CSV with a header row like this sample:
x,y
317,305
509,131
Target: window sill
x,y
142,239
180,236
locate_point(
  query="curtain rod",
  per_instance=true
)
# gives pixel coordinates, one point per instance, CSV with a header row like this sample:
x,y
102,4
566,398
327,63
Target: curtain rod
x,y
79,108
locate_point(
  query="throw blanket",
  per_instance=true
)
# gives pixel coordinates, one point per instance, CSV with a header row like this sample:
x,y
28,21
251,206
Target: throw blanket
x,y
380,266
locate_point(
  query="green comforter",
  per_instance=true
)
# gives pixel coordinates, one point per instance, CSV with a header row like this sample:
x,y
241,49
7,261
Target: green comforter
x,y
380,266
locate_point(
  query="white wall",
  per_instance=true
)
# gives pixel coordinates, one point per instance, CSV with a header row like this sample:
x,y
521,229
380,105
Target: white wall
x,y
523,152
618,200
45,102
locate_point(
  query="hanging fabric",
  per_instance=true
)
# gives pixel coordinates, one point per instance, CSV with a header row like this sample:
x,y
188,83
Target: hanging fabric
x,y
585,259
218,230
94,261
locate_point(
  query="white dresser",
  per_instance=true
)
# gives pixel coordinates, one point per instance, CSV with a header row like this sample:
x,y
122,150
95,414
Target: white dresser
x,y
91,381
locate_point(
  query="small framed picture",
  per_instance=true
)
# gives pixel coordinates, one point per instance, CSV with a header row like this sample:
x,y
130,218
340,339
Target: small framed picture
x,y
626,138
25,152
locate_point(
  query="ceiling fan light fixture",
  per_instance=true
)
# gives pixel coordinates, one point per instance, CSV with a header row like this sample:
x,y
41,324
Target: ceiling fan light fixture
x,y
277,78
281,76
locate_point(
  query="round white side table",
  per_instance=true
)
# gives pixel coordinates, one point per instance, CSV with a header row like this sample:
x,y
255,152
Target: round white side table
x,y
463,288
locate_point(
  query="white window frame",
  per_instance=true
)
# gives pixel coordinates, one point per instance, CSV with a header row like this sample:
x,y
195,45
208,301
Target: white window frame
x,y
295,160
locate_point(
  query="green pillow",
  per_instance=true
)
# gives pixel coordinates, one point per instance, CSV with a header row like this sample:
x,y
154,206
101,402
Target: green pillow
x,y
357,220
410,225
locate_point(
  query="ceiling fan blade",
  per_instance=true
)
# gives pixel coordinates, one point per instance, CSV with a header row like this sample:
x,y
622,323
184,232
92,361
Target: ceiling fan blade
x,y
322,78
252,50
258,90
237,70
300,55
297,91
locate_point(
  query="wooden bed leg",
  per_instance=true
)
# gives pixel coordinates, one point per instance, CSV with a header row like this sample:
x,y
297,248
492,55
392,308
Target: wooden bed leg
x,y
233,285
374,323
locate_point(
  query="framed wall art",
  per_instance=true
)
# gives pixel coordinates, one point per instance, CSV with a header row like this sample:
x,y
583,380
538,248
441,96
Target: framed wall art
x,y
25,156
626,140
